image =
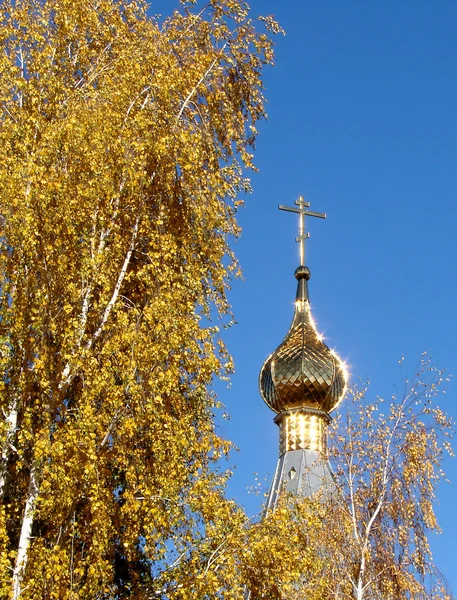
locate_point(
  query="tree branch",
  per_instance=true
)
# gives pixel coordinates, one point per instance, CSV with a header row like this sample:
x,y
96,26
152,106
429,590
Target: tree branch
x,y
118,285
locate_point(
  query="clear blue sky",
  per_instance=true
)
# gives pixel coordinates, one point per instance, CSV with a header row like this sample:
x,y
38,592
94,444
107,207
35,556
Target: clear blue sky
x,y
362,122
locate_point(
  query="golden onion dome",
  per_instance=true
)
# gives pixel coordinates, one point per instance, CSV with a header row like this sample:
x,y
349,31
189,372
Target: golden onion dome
x,y
303,372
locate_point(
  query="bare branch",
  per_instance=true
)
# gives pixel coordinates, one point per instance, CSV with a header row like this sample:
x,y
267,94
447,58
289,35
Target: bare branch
x,y
118,285
132,104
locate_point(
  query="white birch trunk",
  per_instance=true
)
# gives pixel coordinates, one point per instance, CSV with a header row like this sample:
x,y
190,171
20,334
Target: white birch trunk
x,y
26,532
11,420
362,587
33,490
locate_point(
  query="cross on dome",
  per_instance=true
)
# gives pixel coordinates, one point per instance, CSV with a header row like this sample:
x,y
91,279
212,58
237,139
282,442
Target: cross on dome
x,y
302,212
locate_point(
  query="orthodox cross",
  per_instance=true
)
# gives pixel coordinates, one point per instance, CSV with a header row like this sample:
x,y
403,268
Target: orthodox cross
x,y
302,212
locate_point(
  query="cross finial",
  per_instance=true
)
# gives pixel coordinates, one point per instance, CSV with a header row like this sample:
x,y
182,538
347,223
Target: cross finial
x,y
302,212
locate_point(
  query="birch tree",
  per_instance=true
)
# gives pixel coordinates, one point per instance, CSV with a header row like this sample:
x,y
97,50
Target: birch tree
x,y
122,145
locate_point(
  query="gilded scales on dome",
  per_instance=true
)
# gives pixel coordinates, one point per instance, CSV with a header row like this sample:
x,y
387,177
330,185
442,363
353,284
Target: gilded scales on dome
x,y
303,380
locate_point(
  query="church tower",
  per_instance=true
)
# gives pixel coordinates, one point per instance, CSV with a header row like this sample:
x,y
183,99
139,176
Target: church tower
x,y
302,381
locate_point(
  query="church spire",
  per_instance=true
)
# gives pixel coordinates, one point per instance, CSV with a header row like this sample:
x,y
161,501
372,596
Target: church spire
x,y
302,381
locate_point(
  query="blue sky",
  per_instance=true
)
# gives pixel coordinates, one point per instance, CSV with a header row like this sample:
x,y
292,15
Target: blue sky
x,y
362,122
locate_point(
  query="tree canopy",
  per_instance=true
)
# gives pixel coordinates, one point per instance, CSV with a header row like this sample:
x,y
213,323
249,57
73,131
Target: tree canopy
x,y
122,143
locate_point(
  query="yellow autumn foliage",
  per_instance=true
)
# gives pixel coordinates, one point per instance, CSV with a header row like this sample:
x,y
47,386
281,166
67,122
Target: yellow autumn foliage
x,y
122,143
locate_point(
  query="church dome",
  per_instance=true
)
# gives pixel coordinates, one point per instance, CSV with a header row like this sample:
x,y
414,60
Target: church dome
x,y
302,372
